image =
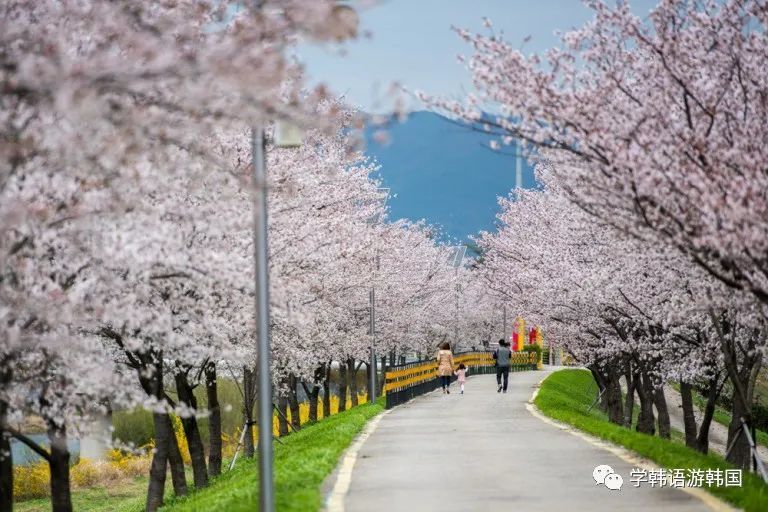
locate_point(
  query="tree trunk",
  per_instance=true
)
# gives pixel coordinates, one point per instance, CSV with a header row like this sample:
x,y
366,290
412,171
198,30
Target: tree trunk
x,y
689,418
6,455
6,461
249,398
313,395
660,401
742,362
191,431
282,422
166,448
214,421
713,391
61,497
743,380
629,407
163,432
612,396
342,387
601,387
176,463
383,368
352,381
740,453
327,391
293,403
645,420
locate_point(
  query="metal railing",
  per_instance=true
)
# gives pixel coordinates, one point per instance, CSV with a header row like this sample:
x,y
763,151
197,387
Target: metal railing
x,y
406,381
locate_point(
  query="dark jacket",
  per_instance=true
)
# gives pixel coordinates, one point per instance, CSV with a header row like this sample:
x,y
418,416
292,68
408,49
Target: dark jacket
x,y
502,355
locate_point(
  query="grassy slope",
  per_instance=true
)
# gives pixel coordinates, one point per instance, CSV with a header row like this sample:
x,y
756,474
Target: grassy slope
x,y
301,465
566,395
320,445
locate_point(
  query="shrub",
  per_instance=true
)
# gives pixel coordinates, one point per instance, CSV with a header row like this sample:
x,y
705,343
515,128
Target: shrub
x,y
181,439
31,481
90,473
130,465
533,348
133,427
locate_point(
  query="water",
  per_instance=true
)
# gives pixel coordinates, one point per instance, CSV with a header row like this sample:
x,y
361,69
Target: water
x,y
23,455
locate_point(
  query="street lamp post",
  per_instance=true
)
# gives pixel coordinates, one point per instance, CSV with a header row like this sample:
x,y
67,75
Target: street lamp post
x,y
456,320
372,376
518,171
372,311
286,135
266,484
505,321
343,22
457,259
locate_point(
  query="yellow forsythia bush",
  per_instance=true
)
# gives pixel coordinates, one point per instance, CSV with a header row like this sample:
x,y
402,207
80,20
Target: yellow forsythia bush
x,y
31,481
90,473
181,439
229,444
130,465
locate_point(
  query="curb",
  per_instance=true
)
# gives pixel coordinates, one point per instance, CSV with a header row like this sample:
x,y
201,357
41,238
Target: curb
x,y
334,501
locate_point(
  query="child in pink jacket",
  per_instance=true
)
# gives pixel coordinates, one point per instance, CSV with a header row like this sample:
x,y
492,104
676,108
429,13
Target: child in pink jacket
x,y
461,375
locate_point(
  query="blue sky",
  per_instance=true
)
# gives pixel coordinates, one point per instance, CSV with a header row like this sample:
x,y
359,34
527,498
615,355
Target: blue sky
x,y
411,43
435,171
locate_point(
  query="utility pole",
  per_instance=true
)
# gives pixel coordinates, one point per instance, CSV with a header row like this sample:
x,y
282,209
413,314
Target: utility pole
x,y
258,160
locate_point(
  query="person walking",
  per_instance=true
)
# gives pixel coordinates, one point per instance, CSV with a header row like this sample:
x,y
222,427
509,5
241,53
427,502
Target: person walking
x,y
445,366
503,356
461,376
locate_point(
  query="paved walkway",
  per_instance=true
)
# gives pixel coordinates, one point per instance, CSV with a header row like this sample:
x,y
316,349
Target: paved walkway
x,y
484,451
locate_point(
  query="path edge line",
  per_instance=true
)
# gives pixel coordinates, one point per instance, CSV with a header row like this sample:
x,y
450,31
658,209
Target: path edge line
x,y
334,501
713,502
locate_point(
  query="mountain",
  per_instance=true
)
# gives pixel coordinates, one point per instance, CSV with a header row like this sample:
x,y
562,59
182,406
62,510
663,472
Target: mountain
x,y
445,173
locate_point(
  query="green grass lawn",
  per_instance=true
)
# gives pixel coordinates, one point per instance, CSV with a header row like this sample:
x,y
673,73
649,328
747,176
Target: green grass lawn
x,y
565,396
301,464
129,497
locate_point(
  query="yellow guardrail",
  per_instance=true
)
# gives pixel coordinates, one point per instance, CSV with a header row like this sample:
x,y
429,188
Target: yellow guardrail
x,y
419,372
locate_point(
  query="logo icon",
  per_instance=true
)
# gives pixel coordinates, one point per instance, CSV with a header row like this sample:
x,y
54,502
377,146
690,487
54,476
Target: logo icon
x,y
614,481
601,472
604,474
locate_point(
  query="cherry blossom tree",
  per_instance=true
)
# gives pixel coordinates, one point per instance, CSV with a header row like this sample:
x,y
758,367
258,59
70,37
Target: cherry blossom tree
x,y
661,116
623,307
649,126
94,93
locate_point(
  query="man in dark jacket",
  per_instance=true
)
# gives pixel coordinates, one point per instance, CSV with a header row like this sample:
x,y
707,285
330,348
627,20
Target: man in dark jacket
x,y
503,357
